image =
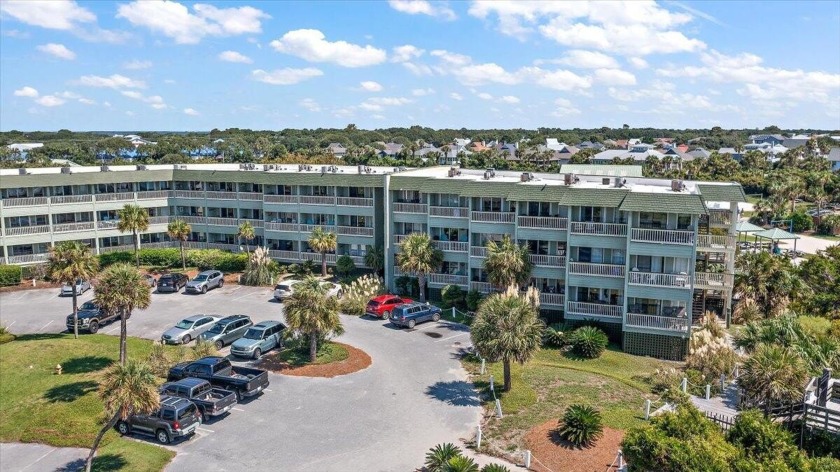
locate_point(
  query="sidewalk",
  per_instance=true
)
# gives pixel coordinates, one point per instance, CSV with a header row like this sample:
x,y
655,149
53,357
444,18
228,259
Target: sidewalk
x,y
21,457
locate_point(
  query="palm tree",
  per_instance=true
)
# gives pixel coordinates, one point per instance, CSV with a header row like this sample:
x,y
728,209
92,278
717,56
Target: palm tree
x,y
420,257
246,232
506,328
310,312
180,230
375,259
121,289
773,374
438,456
135,219
126,390
461,464
507,263
70,261
323,242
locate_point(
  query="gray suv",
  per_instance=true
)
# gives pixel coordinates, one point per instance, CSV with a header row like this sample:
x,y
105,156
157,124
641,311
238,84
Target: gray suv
x,y
188,329
258,339
205,281
226,330
176,418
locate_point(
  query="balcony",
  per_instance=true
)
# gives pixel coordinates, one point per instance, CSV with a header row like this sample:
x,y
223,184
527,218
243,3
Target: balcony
x,y
542,222
254,222
421,208
217,221
191,219
28,258
595,309
216,195
552,299
70,199
109,224
124,247
664,323
188,194
493,217
483,287
455,246
599,229
211,245
398,238
316,257
712,242
720,219
150,194
280,198
663,236
650,279
27,201
449,212
309,228
282,227
713,281
544,260
478,251
293,255
355,201
250,195
447,279
355,231
602,270
70,227
24,230
316,200
115,197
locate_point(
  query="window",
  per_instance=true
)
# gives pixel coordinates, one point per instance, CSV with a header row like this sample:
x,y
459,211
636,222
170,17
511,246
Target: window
x,y
591,214
168,415
684,222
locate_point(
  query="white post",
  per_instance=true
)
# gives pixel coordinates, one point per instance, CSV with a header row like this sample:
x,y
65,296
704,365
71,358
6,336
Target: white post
x,y
647,409
499,408
478,438
492,386
527,459
482,366
722,382
453,313
684,385
708,391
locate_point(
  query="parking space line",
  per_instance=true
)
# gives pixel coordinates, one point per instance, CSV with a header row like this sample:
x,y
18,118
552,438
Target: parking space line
x,y
10,324
40,458
237,409
266,390
205,430
243,296
430,325
45,326
451,337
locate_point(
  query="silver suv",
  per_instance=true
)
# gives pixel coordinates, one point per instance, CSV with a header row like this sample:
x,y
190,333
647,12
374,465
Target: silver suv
x,y
226,330
188,329
258,339
205,281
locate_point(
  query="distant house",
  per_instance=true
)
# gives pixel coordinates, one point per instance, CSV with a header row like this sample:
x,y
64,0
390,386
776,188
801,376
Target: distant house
x,y
834,158
769,150
637,153
478,146
683,148
774,139
24,148
460,142
621,143
391,149
699,153
337,150
795,142
591,145
732,152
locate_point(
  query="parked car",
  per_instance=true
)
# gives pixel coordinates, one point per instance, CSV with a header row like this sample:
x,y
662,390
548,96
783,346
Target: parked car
x,y
210,401
285,289
175,418
91,317
226,330
243,381
207,280
188,329
81,286
172,282
258,339
383,305
412,313
150,280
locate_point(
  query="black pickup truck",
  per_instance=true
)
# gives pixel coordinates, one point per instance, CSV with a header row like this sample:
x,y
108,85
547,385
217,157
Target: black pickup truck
x,y
243,381
209,400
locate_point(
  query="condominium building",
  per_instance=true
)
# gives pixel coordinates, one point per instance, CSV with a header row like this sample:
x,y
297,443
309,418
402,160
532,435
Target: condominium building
x,y
643,257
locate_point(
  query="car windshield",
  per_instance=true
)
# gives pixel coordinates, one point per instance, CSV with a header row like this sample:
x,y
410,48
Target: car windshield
x,y
188,411
215,329
284,287
184,324
253,334
200,278
88,306
165,278
373,303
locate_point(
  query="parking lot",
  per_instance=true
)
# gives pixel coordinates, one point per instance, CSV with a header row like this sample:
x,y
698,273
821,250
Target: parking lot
x,y
413,396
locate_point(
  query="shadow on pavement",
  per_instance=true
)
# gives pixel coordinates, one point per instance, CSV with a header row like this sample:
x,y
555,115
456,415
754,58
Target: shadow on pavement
x,y
457,393
101,463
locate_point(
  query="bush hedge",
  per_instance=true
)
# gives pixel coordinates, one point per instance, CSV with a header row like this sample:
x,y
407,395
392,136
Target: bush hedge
x,y
171,257
10,275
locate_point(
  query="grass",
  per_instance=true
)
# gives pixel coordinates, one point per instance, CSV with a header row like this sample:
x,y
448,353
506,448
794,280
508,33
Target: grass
x,y
553,380
36,405
327,354
825,236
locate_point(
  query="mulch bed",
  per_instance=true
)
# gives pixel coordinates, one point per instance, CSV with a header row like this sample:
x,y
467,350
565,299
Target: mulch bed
x,y
356,360
27,285
557,454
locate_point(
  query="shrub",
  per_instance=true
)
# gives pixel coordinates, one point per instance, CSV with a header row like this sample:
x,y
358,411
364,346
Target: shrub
x,y
765,441
473,299
581,425
10,275
494,468
407,286
344,265
710,354
5,335
36,271
589,342
801,221
206,259
357,294
439,456
110,258
664,379
452,295
555,336
261,269
302,270
825,464
202,349
461,463
160,257
158,360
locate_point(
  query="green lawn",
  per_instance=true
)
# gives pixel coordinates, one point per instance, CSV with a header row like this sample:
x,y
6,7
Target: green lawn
x,y
544,387
327,354
36,405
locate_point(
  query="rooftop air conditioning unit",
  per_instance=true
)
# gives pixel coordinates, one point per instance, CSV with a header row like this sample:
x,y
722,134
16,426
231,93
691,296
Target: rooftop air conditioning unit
x,y
334,169
64,170
677,185
605,181
452,172
361,169
266,167
526,177
492,172
569,179
619,182
104,168
22,171
141,167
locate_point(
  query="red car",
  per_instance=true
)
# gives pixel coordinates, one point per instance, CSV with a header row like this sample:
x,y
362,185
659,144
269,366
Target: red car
x,y
383,305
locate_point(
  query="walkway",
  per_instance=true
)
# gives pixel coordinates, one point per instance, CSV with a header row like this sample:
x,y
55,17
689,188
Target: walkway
x,y
724,404
20,457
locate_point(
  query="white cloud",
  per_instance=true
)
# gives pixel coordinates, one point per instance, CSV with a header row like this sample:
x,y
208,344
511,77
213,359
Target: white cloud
x,y
423,7
114,81
286,76
422,92
310,105
405,53
137,64
50,101
75,96
155,101
558,79
371,86
169,81
614,77
176,21
418,69
87,101
638,62
129,113
191,112
51,14
58,50
379,103
621,39
587,60
233,56
311,45
563,107
510,99
484,96
26,91
456,96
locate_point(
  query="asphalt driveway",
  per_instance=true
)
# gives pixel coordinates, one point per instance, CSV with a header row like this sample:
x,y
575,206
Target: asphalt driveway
x,y
385,418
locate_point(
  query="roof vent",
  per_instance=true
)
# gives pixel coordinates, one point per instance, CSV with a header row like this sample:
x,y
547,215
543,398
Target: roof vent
x,y
605,181
619,182
526,177
141,167
569,179
677,185
453,171
104,168
64,170
334,169
489,173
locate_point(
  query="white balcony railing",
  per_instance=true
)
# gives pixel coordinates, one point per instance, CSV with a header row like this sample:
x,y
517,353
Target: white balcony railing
x,y
659,280
282,227
483,287
493,216
316,200
449,212
411,208
355,231
541,222
663,236
250,195
288,255
280,198
218,195
552,299
708,280
188,194
316,256
68,227
218,221
24,230
115,197
355,201
545,260
308,228
716,242
448,279
109,224
665,323
27,201
158,220
69,199
600,229
603,270
478,251
254,222
398,238
456,246
150,194
191,219
28,258
595,309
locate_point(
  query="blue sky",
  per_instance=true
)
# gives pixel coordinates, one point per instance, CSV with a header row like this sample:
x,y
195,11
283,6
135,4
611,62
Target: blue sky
x,y
152,65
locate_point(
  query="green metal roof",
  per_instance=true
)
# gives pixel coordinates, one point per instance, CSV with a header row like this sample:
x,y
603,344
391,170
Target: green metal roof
x,y
611,197
536,193
722,193
663,202
747,227
775,234
84,178
602,169
404,182
282,178
486,189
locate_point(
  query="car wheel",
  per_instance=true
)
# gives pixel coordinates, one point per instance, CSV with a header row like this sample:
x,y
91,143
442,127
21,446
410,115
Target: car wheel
x,y
386,316
257,353
411,324
204,417
123,428
94,327
186,339
219,345
204,289
221,283
436,317
162,436
238,396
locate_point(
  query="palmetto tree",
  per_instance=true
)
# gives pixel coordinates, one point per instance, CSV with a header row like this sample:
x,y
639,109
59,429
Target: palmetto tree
x,y
420,257
768,280
375,259
121,289
323,241
68,262
507,263
506,328
246,232
134,219
180,230
773,374
126,390
439,456
310,312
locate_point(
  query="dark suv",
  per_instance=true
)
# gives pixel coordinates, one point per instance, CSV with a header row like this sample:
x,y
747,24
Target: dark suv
x,y
172,282
175,418
409,314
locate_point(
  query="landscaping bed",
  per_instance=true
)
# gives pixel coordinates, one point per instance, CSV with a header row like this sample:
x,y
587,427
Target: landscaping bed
x,y
333,359
553,453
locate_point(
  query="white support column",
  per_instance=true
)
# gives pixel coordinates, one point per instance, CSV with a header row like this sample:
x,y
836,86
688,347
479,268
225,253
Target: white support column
x,y
388,250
